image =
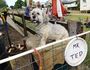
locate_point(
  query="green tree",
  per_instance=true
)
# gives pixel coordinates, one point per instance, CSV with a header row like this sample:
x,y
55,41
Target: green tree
x,y
78,5
25,2
3,4
19,4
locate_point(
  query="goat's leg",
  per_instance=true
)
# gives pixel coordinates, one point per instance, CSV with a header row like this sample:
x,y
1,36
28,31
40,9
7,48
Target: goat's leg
x,y
42,42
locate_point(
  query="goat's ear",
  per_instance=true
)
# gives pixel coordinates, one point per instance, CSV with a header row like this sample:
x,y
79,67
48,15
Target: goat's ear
x,y
45,18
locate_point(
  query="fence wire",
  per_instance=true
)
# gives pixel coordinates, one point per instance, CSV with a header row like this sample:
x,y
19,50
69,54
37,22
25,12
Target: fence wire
x,y
51,57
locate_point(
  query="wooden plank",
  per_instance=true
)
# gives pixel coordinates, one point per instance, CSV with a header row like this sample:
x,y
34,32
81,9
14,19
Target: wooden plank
x,y
15,26
28,29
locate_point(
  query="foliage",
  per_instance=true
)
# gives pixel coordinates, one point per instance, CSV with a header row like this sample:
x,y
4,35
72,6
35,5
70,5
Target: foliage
x,y
19,4
78,5
12,7
25,2
3,4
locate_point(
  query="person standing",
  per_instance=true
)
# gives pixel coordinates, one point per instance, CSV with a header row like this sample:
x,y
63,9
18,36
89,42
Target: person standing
x,y
3,51
27,11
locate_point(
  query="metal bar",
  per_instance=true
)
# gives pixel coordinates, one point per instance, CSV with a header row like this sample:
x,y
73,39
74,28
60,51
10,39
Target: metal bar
x,y
40,48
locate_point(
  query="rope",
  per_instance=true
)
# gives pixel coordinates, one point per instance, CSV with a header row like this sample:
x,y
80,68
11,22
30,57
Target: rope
x,y
39,58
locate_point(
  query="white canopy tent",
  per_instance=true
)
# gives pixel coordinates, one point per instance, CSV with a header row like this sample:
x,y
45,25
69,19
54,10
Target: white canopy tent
x,y
84,5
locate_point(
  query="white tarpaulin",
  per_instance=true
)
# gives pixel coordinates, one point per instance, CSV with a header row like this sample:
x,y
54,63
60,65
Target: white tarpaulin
x,y
59,10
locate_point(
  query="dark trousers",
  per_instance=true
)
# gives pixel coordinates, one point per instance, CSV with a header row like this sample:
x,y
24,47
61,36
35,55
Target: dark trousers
x,y
4,54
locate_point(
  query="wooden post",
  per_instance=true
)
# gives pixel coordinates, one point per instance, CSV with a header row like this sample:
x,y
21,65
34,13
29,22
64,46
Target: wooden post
x,y
24,26
13,16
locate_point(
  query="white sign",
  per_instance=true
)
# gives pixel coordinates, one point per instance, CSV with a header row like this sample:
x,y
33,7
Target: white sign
x,y
76,51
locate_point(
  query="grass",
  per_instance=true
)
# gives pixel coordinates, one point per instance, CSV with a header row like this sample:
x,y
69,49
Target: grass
x,y
28,23
87,61
78,17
